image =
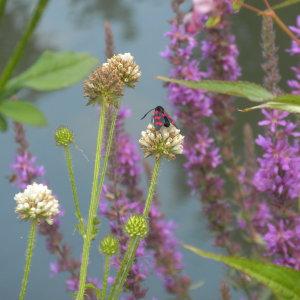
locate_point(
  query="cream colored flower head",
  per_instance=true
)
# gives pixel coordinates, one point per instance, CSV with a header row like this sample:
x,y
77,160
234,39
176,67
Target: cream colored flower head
x,y
103,84
36,203
167,141
126,67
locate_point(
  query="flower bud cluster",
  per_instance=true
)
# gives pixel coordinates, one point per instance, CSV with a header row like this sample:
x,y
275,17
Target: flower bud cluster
x,y
167,141
36,203
109,245
137,226
63,136
108,81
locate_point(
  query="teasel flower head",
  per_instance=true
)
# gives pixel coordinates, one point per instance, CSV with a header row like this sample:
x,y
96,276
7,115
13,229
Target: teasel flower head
x,y
126,68
136,226
36,203
103,85
167,141
63,136
109,245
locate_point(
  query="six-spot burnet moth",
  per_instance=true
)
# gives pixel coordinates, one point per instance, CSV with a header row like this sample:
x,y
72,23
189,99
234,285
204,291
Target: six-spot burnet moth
x,y
160,117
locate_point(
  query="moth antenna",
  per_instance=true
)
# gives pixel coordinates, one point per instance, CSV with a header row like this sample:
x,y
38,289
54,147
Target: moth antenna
x,y
147,113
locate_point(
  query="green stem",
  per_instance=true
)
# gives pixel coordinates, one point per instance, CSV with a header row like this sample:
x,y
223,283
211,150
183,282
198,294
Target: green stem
x,y
107,152
74,188
19,49
2,7
29,252
152,187
93,207
105,277
129,255
125,267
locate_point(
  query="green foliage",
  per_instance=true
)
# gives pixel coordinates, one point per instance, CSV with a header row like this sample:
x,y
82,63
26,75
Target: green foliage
x,y
286,3
237,4
23,112
3,123
212,21
284,282
53,71
287,102
249,90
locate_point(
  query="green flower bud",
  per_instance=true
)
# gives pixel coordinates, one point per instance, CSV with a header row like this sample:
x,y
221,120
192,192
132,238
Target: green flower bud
x,y
109,245
63,136
136,226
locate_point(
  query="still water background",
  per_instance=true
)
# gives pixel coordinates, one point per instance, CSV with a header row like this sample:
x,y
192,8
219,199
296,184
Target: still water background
x,y
139,28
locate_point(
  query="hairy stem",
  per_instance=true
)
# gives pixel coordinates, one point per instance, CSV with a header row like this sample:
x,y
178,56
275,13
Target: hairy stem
x,y
107,152
152,187
29,253
20,47
133,244
87,239
74,188
105,276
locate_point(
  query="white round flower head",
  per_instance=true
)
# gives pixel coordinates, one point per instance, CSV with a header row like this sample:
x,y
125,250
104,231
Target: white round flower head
x,y
127,69
37,203
167,141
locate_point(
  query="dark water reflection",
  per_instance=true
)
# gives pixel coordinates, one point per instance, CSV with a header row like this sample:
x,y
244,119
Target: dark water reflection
x,y
138,27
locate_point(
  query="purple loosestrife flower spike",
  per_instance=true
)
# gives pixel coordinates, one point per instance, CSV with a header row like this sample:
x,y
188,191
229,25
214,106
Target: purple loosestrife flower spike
x,y
278,175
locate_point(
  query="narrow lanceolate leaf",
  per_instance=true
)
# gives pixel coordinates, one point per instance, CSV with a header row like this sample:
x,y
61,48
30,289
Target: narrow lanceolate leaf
x,y
288,102
53,71
284,282
23,112
249,90
286,3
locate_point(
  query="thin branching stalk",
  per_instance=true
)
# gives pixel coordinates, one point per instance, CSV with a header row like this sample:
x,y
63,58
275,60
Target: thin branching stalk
x,y
87,239
105,276
29,253
2,7
20,47
74,188
133,243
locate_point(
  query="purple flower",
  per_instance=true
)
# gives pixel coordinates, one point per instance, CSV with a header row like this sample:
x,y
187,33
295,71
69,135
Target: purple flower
x,y
26,170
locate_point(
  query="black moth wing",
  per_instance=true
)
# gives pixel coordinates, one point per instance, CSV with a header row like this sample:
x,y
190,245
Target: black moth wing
x,y
158,119
168,120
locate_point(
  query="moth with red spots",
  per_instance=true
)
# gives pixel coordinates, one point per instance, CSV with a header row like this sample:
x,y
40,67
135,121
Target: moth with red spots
x,y
160,117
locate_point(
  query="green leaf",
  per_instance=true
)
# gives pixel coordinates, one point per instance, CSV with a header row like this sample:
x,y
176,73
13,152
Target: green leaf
x,y
212,21
23,112
287,102
249,90
53,71
3,123
237,4
284,282
285,4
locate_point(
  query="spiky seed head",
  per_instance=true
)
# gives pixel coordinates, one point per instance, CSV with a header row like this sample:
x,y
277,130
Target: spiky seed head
x,y
103,84
136,226
126,67
63,136
109,245
167,142
36,203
